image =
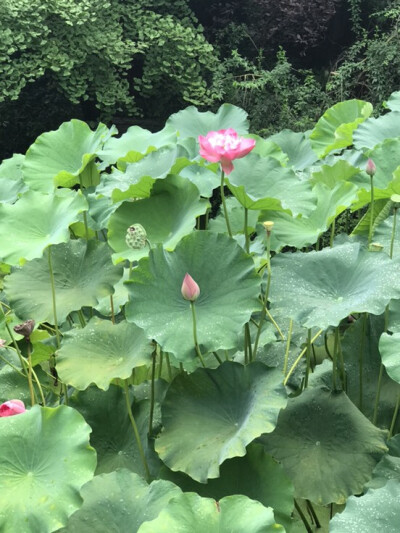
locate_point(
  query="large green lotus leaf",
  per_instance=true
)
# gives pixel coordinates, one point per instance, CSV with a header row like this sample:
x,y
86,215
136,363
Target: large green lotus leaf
x,y
256,475
386,181
189,513
57,157
376,130
205,179
100,210
376,511
304,231
11,182
36,221
313,437
360,342
191,123
393,103
136,140
268,148
83,273
229,294
119,501
167,216
137,179
334,130
388,467
112,434
101,352
389,348
321,288
212,415
45,459
263,183
330,175
297,147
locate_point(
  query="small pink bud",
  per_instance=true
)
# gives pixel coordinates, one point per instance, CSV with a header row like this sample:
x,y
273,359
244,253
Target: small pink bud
x,y
190,290
370,169
12,407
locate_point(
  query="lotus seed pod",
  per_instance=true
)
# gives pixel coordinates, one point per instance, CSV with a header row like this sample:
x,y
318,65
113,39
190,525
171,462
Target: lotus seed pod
x,y
136,237
25,329
268,225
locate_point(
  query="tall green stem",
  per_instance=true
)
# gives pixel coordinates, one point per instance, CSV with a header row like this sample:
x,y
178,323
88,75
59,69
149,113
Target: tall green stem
x,y
196,344
53,296
84,213
371,218
152,393
289,338
334,362
246,233
294,365
228,226
332,233
393,232
135,430
112,309
394,418
378,395
30,385
303,517
308,358
168,367
361,361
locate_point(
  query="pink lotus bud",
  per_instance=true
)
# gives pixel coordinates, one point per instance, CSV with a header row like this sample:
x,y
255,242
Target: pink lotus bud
x,y
12,407
223,147
370,169
190,290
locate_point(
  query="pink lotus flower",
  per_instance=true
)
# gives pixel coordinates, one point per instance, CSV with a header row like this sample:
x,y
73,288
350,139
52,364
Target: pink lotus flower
x,y
12,407
370,169
224,146
190,290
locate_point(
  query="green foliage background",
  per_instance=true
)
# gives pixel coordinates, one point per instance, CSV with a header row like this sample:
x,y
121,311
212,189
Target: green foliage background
x,y
132,60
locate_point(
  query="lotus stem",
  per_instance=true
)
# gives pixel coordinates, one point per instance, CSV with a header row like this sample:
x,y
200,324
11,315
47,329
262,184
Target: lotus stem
x,y
196,344
393,232
112,309
332,233
395,413
308,358
378,395
371,218
303,518
228,226
289,338
30,385
293,367
135,430
361,360
168,367
152,393
246,234
53,296
217,357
